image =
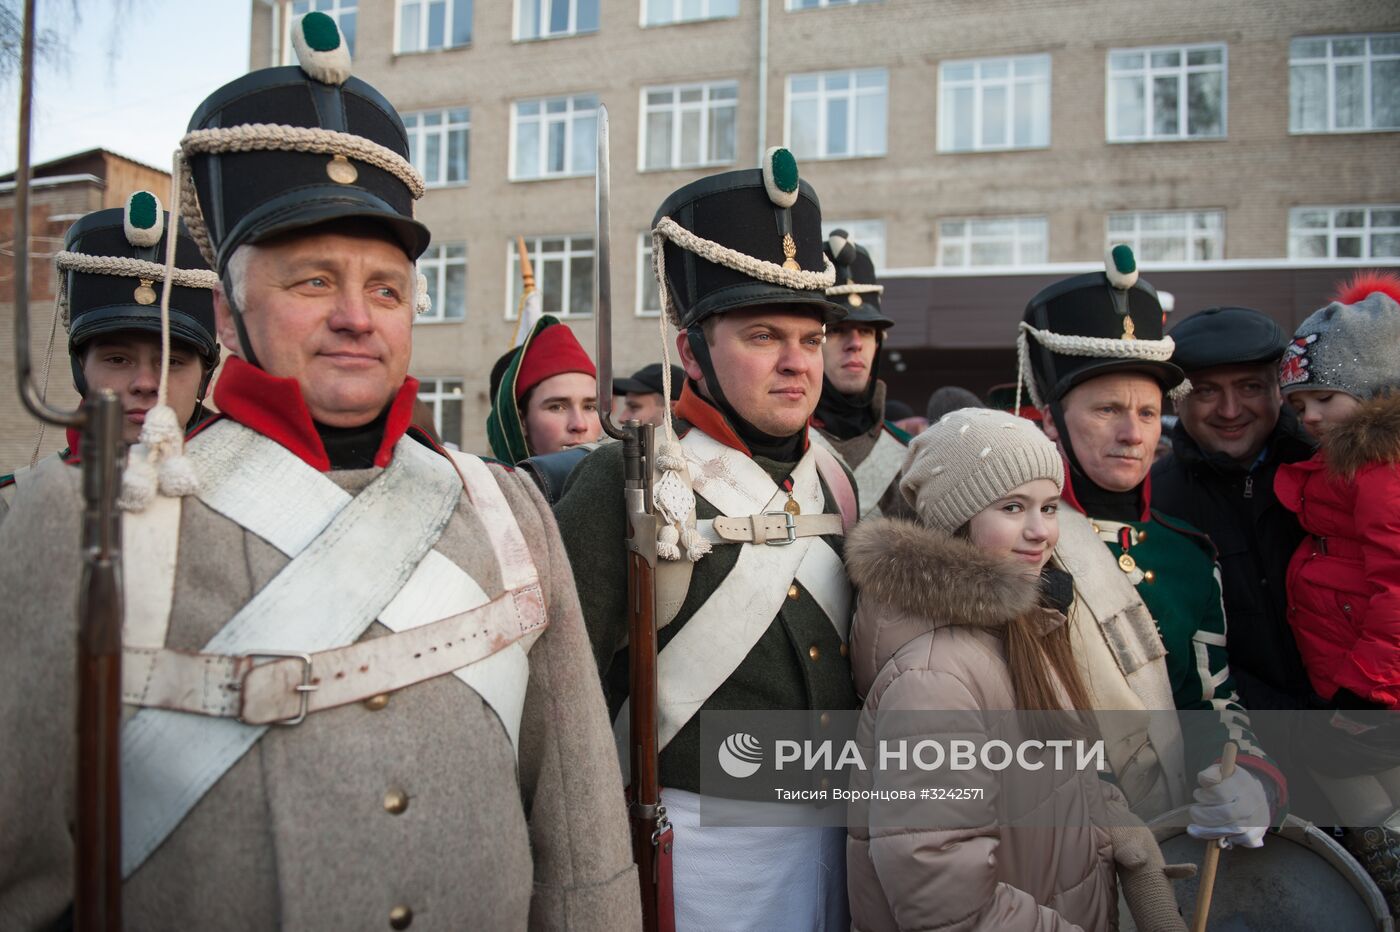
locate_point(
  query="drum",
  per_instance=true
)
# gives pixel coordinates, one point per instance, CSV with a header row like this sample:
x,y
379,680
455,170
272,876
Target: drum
x,y
1302,880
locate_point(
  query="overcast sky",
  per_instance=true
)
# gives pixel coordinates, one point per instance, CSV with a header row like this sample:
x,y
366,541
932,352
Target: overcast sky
x,y
133,72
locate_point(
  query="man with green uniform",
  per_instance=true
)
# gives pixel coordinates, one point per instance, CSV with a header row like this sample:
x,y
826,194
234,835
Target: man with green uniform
x,y
1092,350
754,601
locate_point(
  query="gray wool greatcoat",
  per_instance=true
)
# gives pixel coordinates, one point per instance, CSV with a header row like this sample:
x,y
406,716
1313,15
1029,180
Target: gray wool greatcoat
x,y
298,834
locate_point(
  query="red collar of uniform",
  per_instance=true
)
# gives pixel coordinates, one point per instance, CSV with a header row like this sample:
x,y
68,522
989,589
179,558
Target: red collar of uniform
x,y
1067,494
274,407
699,412
75,445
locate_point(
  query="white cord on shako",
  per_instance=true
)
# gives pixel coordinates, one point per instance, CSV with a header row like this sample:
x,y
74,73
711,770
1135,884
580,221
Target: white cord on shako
x,y
673,495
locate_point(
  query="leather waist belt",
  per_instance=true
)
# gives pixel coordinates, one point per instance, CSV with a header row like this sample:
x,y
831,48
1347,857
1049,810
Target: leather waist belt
x,y
282,687
771,527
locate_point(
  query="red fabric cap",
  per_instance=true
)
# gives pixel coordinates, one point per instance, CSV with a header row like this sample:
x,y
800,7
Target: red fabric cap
x,y
554,351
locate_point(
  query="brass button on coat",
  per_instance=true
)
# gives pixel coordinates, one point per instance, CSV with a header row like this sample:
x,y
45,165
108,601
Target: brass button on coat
x,y
814,652
845,648
375,703
395,802
400,917
793,592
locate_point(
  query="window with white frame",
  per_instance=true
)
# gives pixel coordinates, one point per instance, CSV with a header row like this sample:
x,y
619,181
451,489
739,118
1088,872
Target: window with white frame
x,y
1358,232
994,103
668,12
1170,92
868,233
648,289
818,4
1344,84
444,397
438,144
426,25
346,14
974,241
689,125
552,19
563,267
837,114
444,265
554,137
1184,236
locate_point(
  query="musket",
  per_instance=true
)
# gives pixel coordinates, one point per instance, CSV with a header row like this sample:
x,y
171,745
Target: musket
x,y
97,865
652,836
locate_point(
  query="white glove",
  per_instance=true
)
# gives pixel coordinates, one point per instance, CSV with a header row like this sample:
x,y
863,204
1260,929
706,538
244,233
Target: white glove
x,y
1234,810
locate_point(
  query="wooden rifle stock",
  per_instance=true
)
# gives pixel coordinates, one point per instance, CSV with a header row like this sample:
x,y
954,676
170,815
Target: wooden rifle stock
x,y
652,836
98,877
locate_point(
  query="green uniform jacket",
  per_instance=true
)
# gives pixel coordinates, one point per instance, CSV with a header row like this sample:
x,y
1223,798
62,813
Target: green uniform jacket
x,y
799,663
1173,566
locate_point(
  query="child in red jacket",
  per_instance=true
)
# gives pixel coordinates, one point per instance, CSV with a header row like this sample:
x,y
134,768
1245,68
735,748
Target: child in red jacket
x,y
1341,373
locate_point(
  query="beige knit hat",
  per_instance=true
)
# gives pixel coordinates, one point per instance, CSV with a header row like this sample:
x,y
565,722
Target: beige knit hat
x,y
971,458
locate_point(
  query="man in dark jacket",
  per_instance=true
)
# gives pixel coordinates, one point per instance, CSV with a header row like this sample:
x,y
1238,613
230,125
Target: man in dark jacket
x,y
1231,438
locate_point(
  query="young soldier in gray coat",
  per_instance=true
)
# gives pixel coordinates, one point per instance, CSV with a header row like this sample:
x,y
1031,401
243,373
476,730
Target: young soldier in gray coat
x,y
361,696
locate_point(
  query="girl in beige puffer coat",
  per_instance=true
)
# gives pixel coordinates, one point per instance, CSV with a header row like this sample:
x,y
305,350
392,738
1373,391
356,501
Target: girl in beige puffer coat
x,y
957,614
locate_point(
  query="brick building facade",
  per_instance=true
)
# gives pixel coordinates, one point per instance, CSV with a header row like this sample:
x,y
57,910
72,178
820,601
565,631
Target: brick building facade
x,y
1017,136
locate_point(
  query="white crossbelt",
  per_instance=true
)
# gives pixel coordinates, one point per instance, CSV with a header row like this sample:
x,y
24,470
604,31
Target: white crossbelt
x,y
313,607
716,639
876,473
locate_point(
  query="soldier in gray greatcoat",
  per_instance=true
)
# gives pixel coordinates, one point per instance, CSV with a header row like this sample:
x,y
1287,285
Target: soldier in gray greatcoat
x,y
369,700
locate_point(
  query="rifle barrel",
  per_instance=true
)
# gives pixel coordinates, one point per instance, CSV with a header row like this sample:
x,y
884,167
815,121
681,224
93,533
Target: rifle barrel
x,y
97,868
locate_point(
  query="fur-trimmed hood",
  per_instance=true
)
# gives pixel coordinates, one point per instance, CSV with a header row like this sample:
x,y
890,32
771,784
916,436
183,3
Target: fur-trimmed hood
x,y
913,579
1371,436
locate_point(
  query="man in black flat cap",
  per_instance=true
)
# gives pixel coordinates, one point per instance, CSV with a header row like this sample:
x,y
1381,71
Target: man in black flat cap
x,y
644,395
1233,433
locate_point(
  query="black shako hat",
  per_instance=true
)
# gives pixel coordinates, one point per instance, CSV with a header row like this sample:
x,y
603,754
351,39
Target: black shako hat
x,y
744,238
1227,336
112,271
647,381
1090,325
281,149
856,288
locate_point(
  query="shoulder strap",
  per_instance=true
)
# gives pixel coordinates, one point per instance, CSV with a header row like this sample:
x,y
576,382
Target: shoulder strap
x,y
836,479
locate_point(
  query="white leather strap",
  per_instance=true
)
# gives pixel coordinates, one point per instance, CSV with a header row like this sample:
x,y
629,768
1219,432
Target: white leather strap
x,y
150,549
878,471
169,759
773,528
263,690
717,638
